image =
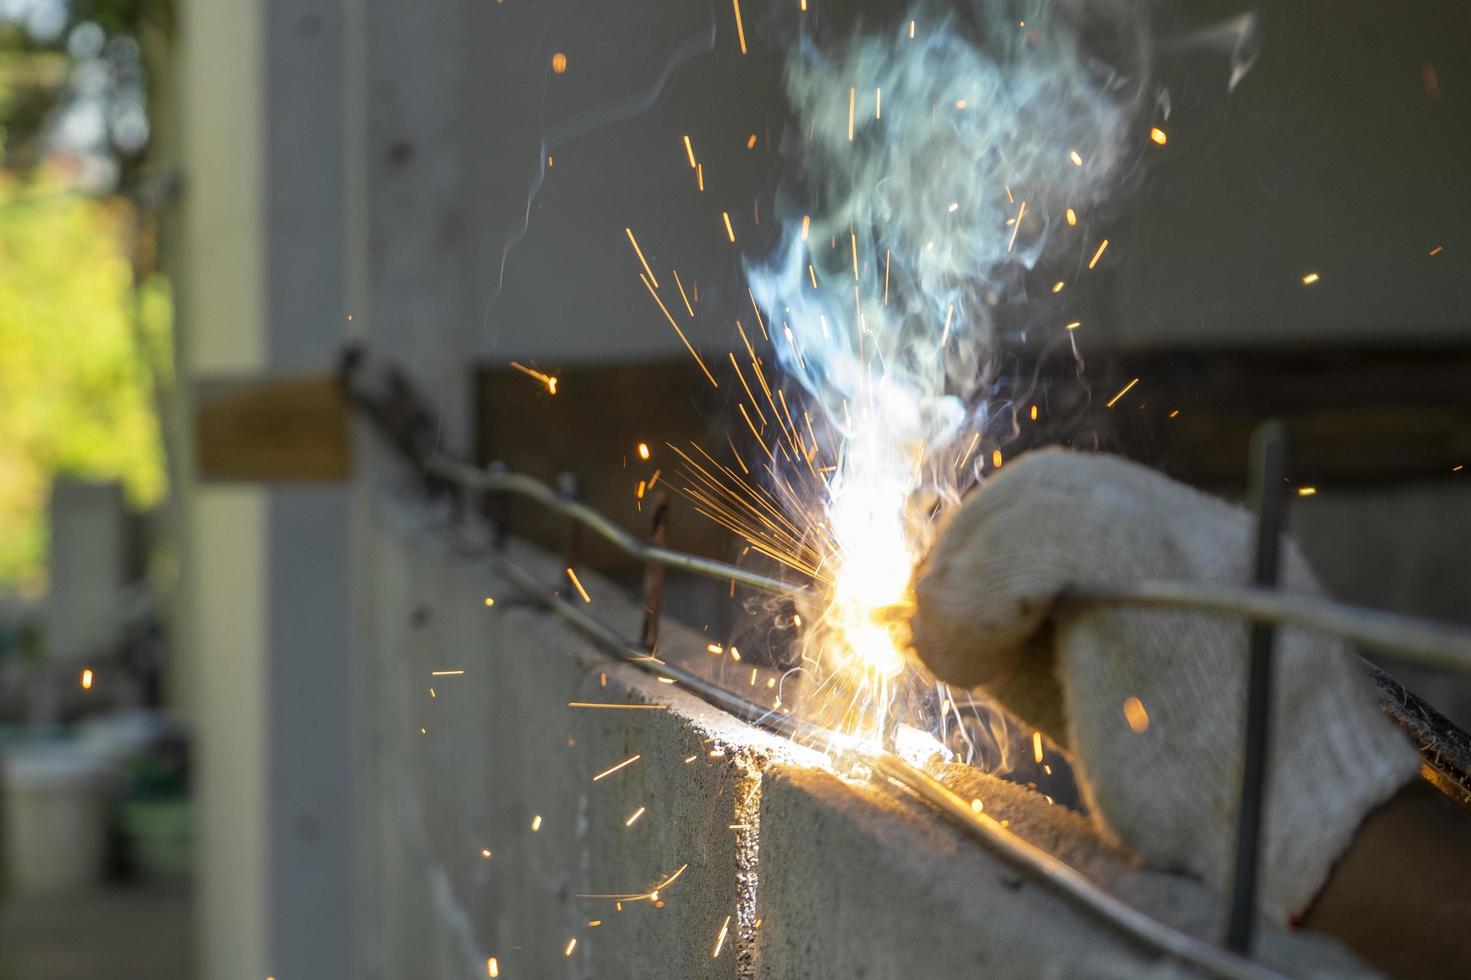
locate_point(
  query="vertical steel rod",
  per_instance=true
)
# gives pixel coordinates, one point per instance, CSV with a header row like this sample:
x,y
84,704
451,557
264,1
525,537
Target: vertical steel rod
x,y
1268,459
654,572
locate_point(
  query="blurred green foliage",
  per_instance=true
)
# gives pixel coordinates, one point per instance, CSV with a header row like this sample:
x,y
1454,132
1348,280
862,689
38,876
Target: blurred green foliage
x,y
78,348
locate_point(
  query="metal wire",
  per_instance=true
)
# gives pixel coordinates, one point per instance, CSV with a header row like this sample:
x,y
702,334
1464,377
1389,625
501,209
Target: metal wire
x,y
1415,640
401,417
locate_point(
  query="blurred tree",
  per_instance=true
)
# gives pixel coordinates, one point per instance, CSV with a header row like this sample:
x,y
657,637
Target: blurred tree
x,y
84,319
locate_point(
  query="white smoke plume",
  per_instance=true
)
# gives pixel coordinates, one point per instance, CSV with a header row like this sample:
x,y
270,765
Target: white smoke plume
x,y
964,147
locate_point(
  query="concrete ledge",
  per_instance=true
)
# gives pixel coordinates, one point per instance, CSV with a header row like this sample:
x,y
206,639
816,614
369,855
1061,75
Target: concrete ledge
x,y
860,882
804,874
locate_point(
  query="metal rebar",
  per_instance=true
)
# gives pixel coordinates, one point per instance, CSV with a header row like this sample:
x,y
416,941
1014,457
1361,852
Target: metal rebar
x,y
1415,640
654,572
398,414
1268,460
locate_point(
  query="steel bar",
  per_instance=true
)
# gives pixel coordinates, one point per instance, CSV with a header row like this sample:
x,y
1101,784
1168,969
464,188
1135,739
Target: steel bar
x,y
654,573
1268,461
1415,640
532,489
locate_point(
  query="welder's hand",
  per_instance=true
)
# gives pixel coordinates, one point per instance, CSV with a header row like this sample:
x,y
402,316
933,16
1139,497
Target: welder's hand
x,y
1150,701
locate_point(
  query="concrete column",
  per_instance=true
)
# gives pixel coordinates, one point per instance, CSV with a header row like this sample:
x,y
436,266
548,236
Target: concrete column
x,y
260,294
221,329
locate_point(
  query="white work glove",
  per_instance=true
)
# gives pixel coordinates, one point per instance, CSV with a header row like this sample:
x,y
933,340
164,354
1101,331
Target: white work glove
x,y
984,616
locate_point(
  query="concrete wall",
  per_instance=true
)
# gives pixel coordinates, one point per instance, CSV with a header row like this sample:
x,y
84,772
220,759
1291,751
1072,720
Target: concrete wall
x,y
807,874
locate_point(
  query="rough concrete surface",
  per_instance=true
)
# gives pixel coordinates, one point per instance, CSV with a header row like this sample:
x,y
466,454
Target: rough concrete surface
x,y
859,882
844,879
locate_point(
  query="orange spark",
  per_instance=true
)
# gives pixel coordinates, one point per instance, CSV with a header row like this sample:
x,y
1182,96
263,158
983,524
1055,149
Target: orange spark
x,y
852,100
489,601
571,945
728,229
1102,246
1158,135
643,450
536,823
1115,399
559,62
751,143
605,704
640,253
1135,715
546,379
740,29
580,590
608,772
1307,491
960,463
1072,217
1310,278
1016,227
492,967
87,679
1037,746
1076,157
689,150
682,294
636,814
687,345
806,224
720,940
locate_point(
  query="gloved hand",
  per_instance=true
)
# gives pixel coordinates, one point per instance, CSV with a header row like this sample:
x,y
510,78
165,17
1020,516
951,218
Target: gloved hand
x,y
983,616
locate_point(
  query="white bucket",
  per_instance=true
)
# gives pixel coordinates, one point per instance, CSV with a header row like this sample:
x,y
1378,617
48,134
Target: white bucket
x,y
55,817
